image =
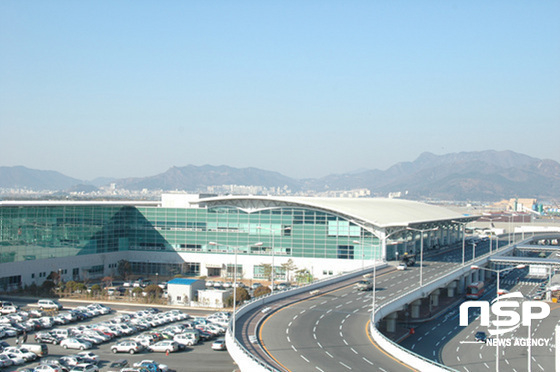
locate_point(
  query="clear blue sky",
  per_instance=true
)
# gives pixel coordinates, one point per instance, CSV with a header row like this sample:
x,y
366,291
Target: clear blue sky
x,y
305,88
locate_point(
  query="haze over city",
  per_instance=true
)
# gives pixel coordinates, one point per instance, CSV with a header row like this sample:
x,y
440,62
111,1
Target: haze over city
x,y
122,89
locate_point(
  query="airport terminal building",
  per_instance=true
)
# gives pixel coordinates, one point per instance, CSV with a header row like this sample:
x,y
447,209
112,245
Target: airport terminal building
x,y
206,236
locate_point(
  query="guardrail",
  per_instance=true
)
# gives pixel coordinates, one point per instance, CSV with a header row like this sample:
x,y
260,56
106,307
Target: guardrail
x,y
247,361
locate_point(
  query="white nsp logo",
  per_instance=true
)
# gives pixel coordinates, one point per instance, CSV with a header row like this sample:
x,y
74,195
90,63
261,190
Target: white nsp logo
x,y
504,307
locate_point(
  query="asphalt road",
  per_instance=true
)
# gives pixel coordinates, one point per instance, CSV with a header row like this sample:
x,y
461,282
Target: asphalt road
x,y
330,332
460,352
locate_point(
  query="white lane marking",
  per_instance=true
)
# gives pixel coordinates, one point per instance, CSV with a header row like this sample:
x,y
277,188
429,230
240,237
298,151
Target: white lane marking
x,y
319,369
368,361
321,346
293,347
304,358
329,354
287,330
288,337
345,365
354,351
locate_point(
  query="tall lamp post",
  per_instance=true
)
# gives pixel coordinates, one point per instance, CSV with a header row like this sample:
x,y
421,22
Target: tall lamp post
x,y
422,231
498,272
491,223
235,279
374,258
464,224
272,273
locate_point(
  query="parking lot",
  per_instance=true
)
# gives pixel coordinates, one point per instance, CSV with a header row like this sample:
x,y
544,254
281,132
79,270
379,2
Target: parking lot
x,y
199,357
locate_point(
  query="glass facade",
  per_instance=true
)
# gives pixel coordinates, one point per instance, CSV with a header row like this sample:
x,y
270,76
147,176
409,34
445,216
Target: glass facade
x,y
38,232
294,232
45,231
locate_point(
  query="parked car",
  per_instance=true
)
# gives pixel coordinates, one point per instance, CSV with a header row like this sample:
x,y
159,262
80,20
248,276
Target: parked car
x,y
117,365
85,367
146,362
164,346
5,361
75,343
27,355
219,344
127,346
46,337
9,310
16,359
49,304
402,266
49,368
89,357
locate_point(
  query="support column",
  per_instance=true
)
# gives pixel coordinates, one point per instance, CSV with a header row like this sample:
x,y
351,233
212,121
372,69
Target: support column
x,y
391,320
451,289
462,286
434,298
415,309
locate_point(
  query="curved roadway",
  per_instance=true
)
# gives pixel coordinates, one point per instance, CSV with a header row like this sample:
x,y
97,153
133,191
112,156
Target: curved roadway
x,y
330,332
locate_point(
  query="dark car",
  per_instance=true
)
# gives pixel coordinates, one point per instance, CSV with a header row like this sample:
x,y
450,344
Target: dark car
x,y
46,337
117,365
480,336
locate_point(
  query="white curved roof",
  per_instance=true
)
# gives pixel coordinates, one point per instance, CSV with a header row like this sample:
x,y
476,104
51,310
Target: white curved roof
x,y
381,212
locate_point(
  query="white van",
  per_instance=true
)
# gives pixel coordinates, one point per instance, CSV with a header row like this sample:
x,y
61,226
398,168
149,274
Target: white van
x,y
60,332
40,349
49,304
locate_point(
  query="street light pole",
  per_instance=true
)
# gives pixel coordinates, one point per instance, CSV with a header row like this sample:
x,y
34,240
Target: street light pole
x,y
422,231
235,280
498,272
374,257
272,274
463,224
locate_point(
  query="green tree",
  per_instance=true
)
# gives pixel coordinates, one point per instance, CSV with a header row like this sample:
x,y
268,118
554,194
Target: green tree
x,y
153,292
71,287
241,295
261,291
81,288
47,288
288,267
137,291
124,269
304,276
95,289
107,281
267,271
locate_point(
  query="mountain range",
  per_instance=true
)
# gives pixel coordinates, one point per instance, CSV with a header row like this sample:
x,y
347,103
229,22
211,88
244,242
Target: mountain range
x,y
481,176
